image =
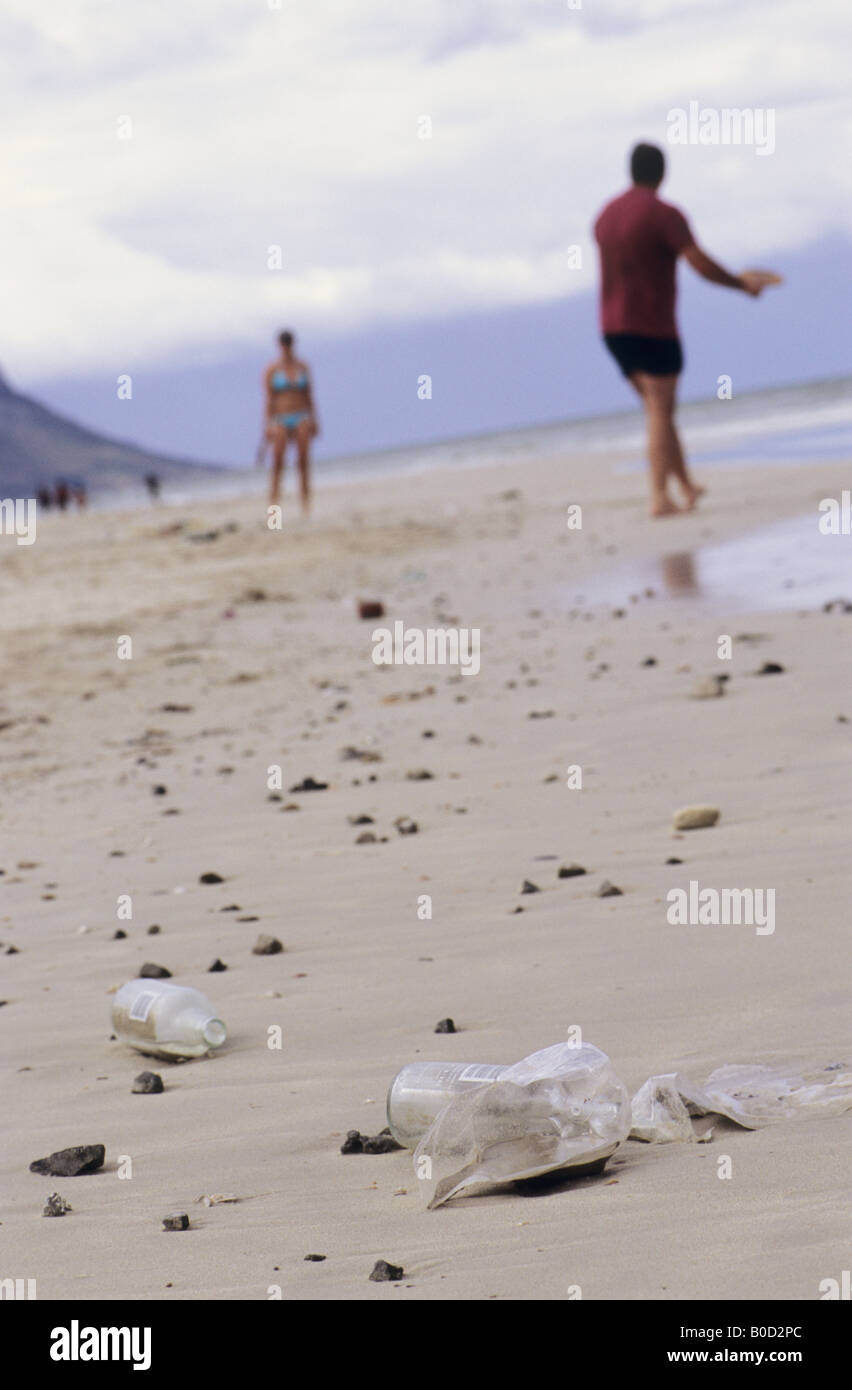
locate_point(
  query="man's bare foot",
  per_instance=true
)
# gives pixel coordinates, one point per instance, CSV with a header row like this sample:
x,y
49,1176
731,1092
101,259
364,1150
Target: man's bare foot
x,y
664,506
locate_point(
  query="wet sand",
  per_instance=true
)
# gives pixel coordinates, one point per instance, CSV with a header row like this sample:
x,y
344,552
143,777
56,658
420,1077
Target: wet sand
x,y
252,638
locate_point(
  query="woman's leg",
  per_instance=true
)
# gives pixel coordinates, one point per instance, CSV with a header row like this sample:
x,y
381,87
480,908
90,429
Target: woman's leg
x,y
303,446
279,445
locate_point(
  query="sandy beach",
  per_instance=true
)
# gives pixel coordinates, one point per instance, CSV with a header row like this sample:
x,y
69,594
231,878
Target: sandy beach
x,y
247,652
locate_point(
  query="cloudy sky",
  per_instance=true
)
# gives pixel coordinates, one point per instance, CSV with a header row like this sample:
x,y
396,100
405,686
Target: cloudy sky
x,y
153,153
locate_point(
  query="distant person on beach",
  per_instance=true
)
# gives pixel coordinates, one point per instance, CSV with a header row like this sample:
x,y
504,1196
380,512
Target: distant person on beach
x,y
152,483
44,498
289,416
640,238
61,494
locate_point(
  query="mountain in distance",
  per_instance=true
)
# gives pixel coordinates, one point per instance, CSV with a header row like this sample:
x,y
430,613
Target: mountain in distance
x,y
37,447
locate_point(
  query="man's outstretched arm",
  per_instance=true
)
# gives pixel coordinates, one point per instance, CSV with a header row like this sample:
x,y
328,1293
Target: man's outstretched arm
x,y
752,281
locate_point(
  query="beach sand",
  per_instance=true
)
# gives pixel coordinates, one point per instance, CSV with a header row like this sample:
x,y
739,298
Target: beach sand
x,y
255,634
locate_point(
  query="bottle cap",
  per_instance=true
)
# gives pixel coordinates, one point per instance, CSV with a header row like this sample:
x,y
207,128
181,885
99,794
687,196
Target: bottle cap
x,y
214,1032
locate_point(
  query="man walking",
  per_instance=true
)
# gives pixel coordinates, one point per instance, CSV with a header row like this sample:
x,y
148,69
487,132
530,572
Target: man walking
x,y
640,238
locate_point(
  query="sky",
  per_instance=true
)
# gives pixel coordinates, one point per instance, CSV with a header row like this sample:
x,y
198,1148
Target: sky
x,y
403,185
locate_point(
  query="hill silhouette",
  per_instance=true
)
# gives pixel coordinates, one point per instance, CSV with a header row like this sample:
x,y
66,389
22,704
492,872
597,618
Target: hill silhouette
x,y
37,446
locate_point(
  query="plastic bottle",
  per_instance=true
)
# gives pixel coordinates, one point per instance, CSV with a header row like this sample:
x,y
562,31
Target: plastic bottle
x,y
166,1020
422,1089
561,1108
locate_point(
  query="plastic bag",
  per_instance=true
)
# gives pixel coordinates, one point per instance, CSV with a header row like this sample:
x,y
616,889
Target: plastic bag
x,y
663,1110
563,1107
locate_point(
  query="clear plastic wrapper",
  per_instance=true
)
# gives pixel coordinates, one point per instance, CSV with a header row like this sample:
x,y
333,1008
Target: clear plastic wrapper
x,y
561,1108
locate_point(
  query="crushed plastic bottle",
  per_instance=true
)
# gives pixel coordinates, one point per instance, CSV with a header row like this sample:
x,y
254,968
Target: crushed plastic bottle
x,y
560,1108
166,1020
665,1108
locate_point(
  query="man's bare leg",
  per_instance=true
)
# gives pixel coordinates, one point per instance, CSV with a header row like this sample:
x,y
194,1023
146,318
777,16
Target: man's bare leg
x,y
665,454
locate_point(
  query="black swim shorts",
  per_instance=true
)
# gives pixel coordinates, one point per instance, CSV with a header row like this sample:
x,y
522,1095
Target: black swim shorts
x,y
635,353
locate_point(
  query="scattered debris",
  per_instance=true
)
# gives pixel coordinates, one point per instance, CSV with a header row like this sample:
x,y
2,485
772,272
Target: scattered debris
x,y
147,1083
56,1205
695,817
177,1221
267,946
386,1273
446,1025
71,1163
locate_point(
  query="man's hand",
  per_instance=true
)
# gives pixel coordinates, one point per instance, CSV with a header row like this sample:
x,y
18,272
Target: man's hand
x,y
754,282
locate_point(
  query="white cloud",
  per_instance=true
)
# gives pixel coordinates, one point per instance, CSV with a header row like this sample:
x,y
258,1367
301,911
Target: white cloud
x,y
297,126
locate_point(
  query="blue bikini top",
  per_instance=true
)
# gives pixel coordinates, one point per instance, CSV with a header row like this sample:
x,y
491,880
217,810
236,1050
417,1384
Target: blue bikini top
x,y
281,382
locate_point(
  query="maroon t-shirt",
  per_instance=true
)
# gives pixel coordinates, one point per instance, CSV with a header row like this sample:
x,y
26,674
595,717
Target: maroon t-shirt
x,y
640,238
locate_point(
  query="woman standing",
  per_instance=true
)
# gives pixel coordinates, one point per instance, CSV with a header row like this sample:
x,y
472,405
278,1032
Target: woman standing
x,y
290,416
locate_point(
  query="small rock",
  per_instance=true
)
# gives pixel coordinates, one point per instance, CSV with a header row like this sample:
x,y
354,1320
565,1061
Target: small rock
x,y
147,1083
357,1143
360,820
56,1205
154,929
530,887
695,817
446,1025
177,1221
367,838
151,971
384,1273
708,689
71,1163
267,946
119,935
608,890
419,774
516,910
674,860
210,878
406,826
160,791
649,661
217,966
570,871
316,1259
309,785
771,668
370,608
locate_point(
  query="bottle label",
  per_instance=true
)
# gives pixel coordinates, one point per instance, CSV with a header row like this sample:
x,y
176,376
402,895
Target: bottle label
x,y
141,1006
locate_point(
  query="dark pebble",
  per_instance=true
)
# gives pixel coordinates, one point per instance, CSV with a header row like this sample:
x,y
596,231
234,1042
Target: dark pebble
x,y
71,1163
309,785
232,907
383,1273
771,668
178,1221
119,935
406,826
267,946
570,871
674,860
217,966
154,929
147,1083
357,1143
650,661
366,838
316,1259
151,971
445,1025
419,774
530,887
161,791
360,820
370,608
517,909
608,890
210,878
